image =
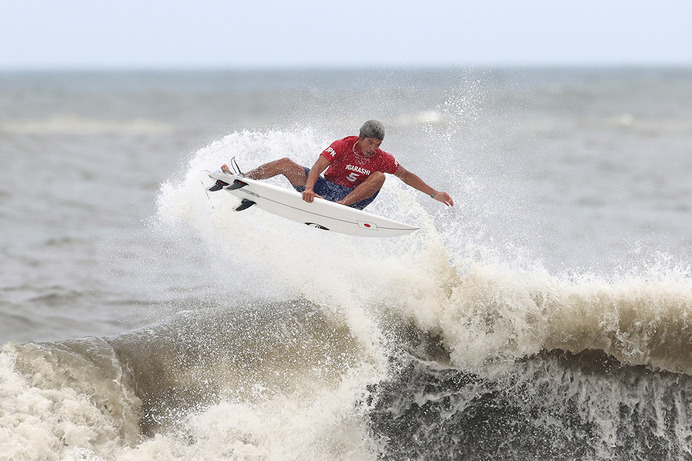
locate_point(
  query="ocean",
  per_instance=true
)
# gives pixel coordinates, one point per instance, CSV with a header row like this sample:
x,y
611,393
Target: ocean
x,y
546,316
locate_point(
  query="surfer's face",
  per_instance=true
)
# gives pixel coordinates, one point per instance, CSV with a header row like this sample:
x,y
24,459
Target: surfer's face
x,y
368,146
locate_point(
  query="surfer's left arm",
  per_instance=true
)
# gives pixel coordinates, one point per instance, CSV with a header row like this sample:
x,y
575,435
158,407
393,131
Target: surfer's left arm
x,y
417,183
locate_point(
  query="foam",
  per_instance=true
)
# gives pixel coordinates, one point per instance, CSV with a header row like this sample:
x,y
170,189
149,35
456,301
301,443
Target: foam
x,y
316,425
62,397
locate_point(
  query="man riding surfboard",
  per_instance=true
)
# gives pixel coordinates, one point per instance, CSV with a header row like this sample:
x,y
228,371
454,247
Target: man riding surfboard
x,y
354,169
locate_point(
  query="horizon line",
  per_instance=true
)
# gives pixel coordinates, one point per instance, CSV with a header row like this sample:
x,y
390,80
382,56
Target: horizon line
x,y
342,67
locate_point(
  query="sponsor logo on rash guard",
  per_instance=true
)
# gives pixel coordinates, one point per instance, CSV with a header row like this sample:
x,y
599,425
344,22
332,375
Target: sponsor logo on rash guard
x,y
358,169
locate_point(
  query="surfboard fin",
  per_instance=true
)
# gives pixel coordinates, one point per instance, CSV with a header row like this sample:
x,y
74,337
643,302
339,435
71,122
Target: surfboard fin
x,y
221,184
237,184
244,205
218,186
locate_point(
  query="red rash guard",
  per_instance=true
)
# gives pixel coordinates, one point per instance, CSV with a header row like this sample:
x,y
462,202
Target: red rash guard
x,y
350,169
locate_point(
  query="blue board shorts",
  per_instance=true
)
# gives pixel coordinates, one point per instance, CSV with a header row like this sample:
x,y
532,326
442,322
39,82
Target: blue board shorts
x,y
335,192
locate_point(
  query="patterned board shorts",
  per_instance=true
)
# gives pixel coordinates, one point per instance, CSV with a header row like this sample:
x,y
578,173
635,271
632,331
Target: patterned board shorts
x,y
335,192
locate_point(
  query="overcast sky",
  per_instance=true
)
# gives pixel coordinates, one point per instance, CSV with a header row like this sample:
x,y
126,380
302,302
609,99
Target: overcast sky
x,y
342,33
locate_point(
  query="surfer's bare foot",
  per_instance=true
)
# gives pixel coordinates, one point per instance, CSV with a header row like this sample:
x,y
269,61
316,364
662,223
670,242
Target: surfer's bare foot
x,y
225,169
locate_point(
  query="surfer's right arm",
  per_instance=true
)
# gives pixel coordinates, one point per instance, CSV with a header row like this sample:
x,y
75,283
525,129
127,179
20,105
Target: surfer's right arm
x,y
320,165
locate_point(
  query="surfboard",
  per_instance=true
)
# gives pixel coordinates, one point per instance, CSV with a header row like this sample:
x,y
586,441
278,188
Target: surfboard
x,y
321,214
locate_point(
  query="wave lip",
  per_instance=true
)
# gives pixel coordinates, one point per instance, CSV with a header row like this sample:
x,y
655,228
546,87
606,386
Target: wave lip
x,y
496,314
275,381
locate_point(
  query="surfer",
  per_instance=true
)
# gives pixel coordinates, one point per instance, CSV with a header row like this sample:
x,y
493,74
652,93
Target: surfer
x,y
355,168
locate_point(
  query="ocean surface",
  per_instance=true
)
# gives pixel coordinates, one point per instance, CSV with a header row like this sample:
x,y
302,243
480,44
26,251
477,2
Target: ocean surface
x,y
547,316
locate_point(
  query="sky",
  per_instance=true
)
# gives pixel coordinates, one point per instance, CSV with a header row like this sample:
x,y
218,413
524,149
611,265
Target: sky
x,y
125,34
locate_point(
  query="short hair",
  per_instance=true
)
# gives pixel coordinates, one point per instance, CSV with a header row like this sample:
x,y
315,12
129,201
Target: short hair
x,y
372,129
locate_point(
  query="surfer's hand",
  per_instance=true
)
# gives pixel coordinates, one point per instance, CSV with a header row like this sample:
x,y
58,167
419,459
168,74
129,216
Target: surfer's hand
x,y
225,169
443,197
309,195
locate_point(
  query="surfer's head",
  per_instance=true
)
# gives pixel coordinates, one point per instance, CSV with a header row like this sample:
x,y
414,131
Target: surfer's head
x,y
372,129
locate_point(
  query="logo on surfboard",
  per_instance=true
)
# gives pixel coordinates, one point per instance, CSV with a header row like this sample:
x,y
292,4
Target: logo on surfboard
x,y
367,225
317,226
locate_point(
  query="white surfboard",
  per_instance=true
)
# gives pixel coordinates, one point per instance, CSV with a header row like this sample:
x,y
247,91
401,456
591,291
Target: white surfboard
x,y
321,214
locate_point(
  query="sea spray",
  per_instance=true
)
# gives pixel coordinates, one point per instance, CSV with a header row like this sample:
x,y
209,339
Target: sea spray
x,y
487,311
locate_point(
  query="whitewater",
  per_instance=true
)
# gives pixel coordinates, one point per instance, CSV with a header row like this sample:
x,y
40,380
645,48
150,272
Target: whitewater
x,y
545,316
